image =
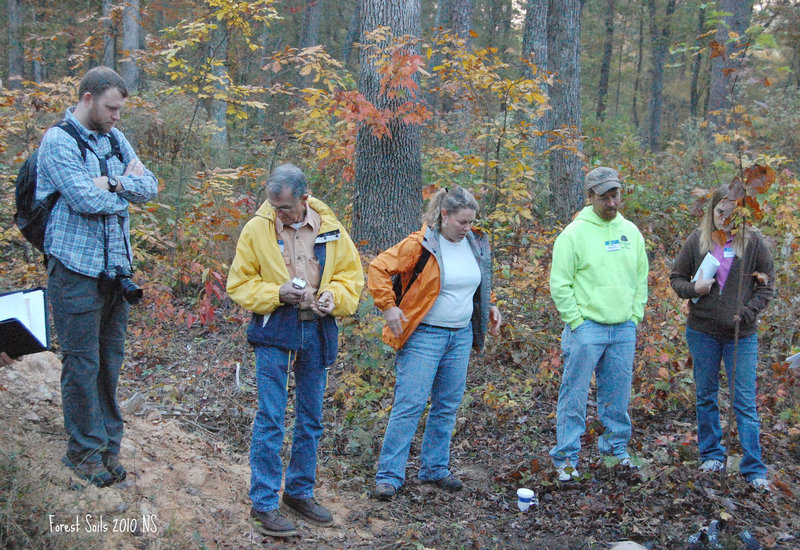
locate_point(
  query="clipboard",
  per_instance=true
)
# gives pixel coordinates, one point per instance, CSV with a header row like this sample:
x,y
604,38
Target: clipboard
x,y
24,322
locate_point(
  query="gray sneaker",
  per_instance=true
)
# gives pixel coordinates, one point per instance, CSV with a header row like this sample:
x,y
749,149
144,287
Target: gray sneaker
x,y
92,471
272,523
712,465
384,491
114,467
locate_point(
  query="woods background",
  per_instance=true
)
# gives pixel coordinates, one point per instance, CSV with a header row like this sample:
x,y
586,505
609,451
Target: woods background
x,y
381,102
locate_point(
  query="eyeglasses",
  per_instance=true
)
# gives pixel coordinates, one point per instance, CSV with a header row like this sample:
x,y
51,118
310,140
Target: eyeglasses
x,y
286,207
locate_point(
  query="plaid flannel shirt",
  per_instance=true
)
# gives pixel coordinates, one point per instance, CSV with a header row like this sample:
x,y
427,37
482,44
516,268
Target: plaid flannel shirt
x,y
84,218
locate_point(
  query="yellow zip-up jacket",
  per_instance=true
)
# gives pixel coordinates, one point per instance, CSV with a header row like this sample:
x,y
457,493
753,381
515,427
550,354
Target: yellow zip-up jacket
x,y
258,270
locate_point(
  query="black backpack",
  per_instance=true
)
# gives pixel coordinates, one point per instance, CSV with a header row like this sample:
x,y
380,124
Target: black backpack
x,y
32,215
397,283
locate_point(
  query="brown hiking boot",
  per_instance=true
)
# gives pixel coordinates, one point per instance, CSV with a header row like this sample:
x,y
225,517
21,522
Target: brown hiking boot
x,y
309,509
114,467
92,471
272,523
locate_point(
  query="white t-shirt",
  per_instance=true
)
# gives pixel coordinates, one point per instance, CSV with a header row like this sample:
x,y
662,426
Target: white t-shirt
x,y
461,276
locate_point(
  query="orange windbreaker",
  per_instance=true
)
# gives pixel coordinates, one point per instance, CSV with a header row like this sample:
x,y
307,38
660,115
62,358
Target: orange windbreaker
x,y
420,297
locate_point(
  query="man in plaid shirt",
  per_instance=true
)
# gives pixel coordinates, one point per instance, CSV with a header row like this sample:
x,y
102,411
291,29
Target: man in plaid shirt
x,y
88,233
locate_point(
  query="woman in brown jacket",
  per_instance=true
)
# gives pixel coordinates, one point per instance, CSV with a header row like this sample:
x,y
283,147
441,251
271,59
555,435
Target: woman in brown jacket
x,y
711,326
437,309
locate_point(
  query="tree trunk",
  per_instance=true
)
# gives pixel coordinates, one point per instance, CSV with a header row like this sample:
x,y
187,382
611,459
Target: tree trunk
x,y
219,109
534,42
36,64
660,40
461,19
724,69
443,14
388,182
639,58
311,19
698,60
353,31
15,52
109,35
129,71
563,48
605,65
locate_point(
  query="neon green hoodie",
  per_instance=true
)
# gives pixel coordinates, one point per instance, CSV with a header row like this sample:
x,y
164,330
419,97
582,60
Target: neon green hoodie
x,y
599,271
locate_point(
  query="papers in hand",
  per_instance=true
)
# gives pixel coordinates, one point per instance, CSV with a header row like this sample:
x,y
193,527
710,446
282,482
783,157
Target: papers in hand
x,y
709,267
23,322
794,361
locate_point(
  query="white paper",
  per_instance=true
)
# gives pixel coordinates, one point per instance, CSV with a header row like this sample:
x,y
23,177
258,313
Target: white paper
x,y
794,361
709,266
29,309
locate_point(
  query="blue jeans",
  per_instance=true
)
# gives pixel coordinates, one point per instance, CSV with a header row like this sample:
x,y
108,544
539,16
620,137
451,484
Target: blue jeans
x,y
272,366
91,332
432,362
606,350
707,352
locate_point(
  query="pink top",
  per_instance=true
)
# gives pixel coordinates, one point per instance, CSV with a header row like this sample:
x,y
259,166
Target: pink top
x,y
724,255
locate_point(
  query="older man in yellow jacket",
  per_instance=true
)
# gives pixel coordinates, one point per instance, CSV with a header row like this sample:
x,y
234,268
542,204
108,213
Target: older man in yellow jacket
x,y
295,269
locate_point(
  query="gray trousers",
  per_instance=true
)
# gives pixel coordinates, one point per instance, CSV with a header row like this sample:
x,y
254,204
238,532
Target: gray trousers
x,y
91,333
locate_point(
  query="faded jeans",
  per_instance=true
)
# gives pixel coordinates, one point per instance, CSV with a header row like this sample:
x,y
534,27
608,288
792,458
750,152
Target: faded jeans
x,y
707,353
91,332
606,350
432,362
310,375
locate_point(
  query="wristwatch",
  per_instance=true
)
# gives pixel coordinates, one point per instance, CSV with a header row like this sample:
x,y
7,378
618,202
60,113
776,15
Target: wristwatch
x,y
113,182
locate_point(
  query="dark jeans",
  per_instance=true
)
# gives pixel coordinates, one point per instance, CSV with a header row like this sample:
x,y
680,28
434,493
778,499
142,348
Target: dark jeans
x,y
91,332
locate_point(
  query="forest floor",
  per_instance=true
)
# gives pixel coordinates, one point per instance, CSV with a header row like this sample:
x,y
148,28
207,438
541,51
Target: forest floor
x,y
186,445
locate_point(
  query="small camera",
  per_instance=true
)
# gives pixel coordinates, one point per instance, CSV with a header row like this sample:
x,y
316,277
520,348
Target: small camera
x,y
298,283
117,280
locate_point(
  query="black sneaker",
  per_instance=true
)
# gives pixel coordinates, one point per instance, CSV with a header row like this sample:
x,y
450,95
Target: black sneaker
x,y
308,509
448,483
384,491
92,471
114,467
272,523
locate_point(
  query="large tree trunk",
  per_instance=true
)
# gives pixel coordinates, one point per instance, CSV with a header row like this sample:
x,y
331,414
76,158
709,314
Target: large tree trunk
x,y
388,183
311,19
219,109
353,30
109,35
129,71
698,61
461,19
724,68
534,42
15,52
660,40
605,65
563,48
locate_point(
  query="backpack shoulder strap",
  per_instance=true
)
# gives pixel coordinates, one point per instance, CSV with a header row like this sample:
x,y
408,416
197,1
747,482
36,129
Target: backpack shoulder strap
x,y
73,132
116,151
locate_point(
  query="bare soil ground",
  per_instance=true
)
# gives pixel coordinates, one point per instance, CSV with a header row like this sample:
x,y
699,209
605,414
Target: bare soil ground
x,y
189,476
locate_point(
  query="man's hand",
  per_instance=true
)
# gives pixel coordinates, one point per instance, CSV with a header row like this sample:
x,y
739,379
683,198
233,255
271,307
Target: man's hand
x,y
395,318
135,168
291,295
495,318
703,286
324,305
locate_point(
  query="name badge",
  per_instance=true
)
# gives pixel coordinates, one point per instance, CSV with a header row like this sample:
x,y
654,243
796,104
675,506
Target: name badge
x,y
728,252
611,246
281,245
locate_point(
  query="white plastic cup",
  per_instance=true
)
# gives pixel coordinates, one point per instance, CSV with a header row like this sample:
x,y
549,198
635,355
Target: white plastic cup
x,y
524,498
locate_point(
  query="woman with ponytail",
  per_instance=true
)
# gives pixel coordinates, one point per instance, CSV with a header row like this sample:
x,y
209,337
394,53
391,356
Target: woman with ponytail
x,y
436,309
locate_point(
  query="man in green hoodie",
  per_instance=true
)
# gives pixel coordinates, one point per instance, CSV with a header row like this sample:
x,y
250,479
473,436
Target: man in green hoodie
x,y
598,281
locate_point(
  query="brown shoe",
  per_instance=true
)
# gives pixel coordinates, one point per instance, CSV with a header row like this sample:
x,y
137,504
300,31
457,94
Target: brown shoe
x,y
272,523
114,467
308,509
92,471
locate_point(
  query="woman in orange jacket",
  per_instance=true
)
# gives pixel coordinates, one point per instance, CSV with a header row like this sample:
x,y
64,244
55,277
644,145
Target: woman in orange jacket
x,y
436,310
